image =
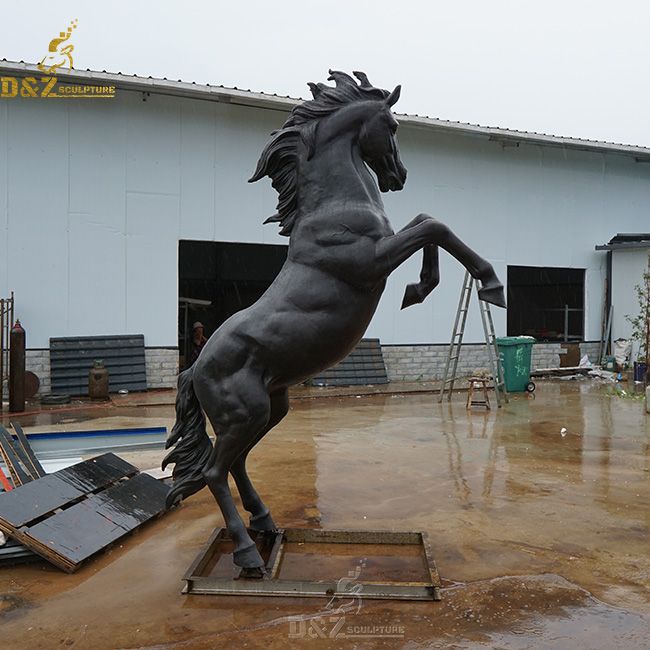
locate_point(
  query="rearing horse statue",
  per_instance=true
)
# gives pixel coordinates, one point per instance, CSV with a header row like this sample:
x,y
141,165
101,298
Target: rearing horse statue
x,y
341,250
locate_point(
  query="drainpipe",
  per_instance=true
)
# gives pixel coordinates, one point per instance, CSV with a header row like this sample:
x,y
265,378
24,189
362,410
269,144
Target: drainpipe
x,y
608,300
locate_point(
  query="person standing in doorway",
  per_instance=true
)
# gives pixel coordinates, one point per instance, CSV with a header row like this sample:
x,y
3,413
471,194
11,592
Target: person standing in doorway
x,y
198,341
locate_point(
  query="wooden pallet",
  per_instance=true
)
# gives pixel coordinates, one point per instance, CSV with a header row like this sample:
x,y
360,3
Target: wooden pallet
x,y
68,516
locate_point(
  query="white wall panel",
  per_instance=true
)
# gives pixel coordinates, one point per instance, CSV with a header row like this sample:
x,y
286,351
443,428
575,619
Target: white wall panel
x,y
97,288
628,267
99,193
38,216
240,206
153,148
197,197
98,161
152,267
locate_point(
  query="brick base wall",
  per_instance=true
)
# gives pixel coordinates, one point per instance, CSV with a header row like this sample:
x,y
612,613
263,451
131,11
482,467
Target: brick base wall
x,y
590,348
427,362
403,362
161,365
38,362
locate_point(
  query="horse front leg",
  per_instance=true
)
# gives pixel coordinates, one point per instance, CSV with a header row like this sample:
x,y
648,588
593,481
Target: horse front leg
x,y
393,250
429,274
429,278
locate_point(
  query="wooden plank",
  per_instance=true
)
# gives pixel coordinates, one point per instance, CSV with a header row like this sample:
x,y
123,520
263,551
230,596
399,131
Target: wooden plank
x,y
97,473
102,499
42,496
36,499
74,534
132,502
14,477
36,467
23,458
78,532
18,474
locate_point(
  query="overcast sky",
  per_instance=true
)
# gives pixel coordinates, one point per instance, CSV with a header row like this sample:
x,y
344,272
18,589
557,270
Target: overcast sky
x,y
572,67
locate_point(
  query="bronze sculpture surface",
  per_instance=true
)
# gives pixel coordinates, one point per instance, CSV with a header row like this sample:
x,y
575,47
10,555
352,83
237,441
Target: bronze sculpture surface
x,y
341,250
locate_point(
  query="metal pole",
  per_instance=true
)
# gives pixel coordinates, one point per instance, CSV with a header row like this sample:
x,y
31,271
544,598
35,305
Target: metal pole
x,y
2,348
566,323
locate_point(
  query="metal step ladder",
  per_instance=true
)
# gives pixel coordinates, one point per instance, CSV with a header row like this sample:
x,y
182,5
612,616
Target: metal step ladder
x,y
494,359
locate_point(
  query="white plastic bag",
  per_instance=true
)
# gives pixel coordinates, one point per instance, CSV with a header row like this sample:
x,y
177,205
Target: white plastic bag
x,y
622,350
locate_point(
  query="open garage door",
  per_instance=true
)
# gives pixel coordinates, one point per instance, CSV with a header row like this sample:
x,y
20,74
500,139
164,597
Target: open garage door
x,y
546,302
217,279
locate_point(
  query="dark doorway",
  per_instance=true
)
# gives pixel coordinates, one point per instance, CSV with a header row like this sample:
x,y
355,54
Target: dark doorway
x,y
217,279
546,302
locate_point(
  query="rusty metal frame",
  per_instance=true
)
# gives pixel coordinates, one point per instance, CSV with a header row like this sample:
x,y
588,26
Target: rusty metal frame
x,y
271,585
6,323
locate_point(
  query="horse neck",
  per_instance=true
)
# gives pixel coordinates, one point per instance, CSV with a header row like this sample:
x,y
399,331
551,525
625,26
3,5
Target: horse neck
x,y
335,173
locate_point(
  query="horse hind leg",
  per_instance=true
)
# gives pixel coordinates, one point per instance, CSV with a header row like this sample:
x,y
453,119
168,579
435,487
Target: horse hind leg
x,y
261,519
238,421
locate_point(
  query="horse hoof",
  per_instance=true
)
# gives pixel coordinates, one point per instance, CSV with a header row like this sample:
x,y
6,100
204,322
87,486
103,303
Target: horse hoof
x,y
493,295
248,558
411,296
256,573
263,523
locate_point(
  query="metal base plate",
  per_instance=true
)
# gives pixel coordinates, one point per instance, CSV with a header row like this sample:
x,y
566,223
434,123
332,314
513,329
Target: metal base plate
x,y
272,547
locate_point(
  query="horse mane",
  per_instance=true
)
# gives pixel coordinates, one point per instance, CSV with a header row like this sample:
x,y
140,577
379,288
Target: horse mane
x,y
279,157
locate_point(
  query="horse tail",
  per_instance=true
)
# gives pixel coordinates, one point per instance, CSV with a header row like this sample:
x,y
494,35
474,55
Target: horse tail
x,y
192,445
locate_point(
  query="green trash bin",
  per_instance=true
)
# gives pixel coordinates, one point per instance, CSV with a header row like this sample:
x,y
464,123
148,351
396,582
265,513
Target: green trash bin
x,y
515,353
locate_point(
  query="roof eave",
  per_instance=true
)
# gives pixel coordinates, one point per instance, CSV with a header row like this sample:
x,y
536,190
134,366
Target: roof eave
x,y
285,104
624,246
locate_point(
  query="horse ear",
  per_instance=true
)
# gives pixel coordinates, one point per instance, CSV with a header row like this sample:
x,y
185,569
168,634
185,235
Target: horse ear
x,y
391,100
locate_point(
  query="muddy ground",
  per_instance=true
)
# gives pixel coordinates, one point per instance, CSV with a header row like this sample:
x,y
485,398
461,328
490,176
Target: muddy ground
x,y
541,536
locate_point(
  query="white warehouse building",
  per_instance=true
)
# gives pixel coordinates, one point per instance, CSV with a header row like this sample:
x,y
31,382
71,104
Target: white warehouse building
x,y
133,215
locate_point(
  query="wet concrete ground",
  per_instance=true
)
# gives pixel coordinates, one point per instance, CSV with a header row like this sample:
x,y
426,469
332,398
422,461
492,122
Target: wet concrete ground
x,y
542,539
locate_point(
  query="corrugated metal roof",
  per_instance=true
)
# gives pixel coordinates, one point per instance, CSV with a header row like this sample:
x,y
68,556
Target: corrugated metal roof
x,y
626,240
273,101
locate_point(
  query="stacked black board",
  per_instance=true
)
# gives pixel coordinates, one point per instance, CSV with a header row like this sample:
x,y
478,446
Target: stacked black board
x,y
72,514
364,365
72,358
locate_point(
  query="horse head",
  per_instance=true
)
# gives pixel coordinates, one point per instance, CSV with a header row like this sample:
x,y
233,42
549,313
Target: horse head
x,y
378,144
365,111
349,112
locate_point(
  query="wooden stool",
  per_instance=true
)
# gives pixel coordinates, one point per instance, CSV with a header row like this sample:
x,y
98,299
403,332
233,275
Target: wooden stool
x,y
478,383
